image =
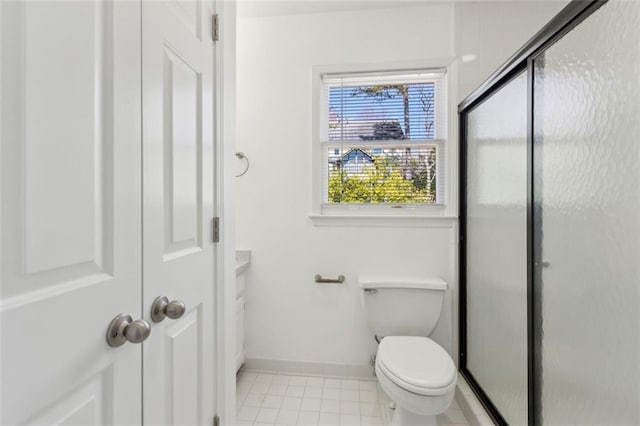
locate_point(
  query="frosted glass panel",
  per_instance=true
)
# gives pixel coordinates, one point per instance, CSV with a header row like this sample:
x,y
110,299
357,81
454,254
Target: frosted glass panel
x,y
497,248
587,180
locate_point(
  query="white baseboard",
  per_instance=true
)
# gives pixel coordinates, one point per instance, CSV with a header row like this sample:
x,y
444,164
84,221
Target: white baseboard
x,y
470,405
325,369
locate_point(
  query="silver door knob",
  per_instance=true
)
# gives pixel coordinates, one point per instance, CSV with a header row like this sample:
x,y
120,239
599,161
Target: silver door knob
x,y
123,329
162,308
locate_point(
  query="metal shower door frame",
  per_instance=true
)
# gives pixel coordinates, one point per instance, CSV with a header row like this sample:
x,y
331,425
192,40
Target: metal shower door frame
x,y
522,61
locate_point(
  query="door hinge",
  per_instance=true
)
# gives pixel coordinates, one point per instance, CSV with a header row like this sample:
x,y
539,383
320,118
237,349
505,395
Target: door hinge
x,y
216,421
215,34
215,229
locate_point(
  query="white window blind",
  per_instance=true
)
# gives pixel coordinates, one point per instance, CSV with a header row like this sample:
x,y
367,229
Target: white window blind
x,y
382,137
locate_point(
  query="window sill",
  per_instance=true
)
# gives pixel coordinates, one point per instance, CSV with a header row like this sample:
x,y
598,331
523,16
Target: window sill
x,y
400,221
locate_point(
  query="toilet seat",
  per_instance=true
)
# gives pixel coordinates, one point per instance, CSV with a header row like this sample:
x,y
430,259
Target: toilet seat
x,y
417,364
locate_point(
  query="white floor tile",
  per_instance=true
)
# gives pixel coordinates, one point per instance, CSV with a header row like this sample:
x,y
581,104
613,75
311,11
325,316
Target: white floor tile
x,y
253,400
350,395
243,387
246,375
287,417
280,380
331,383
371,421
370,409
330,406
368,385
316,382
308,418
330,393
267,415
350,407
349,384
297,391
272,401
282,400
245,381
349,420
310,404
312,392
329,419
368,396
259,388
247,413
240,397
297,381
277,390
291,403
264,378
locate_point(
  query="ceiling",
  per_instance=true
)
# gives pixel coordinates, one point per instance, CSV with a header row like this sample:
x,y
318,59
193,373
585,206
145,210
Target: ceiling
x,y
264,8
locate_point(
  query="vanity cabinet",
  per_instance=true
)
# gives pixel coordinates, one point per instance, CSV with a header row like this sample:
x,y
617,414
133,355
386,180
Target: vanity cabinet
x,y
243,260
239,332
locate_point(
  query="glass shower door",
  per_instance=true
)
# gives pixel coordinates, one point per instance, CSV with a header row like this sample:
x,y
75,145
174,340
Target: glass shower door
x,y
496,248
587,220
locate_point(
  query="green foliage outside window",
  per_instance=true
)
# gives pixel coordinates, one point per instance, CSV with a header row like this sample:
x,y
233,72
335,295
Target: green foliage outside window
x,y
384,181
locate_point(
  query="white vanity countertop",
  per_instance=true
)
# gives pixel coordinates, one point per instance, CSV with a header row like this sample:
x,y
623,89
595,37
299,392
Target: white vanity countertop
x,y
243,260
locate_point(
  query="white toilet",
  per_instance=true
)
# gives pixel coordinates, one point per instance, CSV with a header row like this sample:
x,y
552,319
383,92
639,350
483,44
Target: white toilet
x,y
414,371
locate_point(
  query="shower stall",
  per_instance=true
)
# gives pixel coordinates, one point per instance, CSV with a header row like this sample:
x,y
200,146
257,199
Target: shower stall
x,y
550,224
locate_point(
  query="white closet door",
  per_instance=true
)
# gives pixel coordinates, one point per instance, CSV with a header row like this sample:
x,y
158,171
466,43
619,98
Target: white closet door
x,y
178,141
70,227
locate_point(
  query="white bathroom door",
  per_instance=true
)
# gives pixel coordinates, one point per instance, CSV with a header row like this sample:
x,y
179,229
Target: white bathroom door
x,y
70,258
178,177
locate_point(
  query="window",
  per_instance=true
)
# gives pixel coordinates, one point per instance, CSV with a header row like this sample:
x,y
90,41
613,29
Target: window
x,y
382,139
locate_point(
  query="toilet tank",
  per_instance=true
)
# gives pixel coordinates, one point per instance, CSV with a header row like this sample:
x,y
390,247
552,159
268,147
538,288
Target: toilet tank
x,y
401,306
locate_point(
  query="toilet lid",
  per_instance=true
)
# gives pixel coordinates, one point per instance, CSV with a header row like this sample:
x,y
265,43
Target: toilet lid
x,y
417,364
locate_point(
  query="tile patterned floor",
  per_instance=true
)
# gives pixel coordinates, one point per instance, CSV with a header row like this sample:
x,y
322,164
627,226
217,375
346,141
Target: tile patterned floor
x,y
275,400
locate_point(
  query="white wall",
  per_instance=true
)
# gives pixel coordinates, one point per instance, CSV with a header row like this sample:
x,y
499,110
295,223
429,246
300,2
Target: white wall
x,y
492,31
289,317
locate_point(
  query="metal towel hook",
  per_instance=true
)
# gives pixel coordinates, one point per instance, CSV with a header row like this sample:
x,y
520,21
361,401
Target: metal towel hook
x,y
242,156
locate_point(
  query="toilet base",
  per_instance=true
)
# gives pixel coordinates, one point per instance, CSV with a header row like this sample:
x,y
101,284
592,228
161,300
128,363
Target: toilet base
x,y
402,417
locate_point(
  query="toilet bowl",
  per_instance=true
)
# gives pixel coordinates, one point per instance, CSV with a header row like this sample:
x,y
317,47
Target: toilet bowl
x,y
413,370
418,375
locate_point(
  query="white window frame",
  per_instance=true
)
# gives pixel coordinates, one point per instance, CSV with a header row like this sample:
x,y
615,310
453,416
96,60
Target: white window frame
x,y
336,214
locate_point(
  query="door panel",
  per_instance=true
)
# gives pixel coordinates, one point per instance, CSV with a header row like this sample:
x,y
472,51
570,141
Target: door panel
x,y
184,345
71,232
177,210
497,248
587,225
86,405
182,146
57,115
74,196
